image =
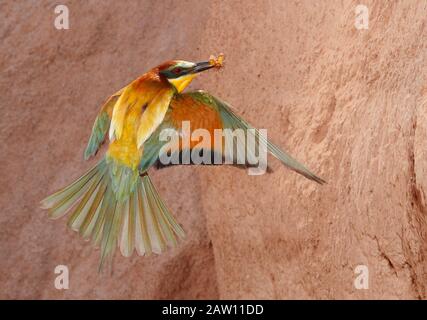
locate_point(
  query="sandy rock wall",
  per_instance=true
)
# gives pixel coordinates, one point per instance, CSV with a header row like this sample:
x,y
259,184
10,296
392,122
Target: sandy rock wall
x,y
351,104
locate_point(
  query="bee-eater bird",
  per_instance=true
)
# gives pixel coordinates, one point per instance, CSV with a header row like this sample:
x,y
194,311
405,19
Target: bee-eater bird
x,y
115,203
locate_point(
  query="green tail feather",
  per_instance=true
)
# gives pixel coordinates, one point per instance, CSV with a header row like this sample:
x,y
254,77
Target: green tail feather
x,y
125,212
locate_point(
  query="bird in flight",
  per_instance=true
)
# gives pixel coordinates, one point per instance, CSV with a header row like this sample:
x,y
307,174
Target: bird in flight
x,y
115,203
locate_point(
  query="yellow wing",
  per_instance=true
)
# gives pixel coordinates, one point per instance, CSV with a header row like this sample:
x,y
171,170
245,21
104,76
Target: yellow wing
x,y
151,97
154,115
129,98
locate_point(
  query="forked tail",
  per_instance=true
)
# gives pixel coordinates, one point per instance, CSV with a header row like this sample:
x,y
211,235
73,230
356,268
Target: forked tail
x,y
140,222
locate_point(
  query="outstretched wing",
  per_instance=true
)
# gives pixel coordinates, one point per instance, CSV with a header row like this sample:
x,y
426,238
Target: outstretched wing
x,y
203,110
183,107
101,126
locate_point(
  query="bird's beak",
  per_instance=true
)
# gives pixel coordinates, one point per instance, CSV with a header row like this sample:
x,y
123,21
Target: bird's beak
x,y
202,66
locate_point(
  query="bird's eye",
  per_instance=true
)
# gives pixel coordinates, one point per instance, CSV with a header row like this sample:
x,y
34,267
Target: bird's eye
x,y
177,70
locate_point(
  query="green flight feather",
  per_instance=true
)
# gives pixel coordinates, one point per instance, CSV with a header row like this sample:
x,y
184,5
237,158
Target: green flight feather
x,y
153,145
230,120
60,202
123,179
101,126
127,235
233,121
114,206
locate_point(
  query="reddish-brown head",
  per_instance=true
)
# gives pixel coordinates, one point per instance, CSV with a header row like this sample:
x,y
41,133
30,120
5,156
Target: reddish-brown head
x,y
180,73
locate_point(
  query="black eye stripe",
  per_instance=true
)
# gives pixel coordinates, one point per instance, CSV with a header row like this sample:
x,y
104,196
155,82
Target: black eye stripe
x,y
174,72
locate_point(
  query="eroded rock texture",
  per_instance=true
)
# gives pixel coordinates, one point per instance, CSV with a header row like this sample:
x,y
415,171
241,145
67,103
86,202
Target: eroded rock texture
x,y
349,103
